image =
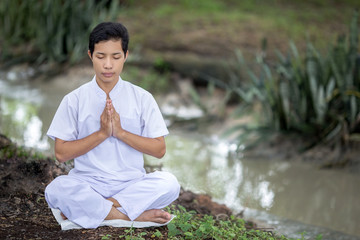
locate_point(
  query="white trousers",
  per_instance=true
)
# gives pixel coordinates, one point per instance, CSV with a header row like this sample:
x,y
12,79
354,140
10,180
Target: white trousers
x,y
83,199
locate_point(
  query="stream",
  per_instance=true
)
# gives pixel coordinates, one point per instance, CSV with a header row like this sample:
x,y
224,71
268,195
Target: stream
x,y
290,196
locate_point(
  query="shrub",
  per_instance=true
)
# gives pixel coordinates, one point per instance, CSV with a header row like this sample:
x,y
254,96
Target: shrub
x,y
316,95
50,30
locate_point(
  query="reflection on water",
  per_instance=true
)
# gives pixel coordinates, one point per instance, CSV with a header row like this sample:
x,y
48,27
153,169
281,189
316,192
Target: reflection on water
x,y
22,122
295,191
204,164
28,106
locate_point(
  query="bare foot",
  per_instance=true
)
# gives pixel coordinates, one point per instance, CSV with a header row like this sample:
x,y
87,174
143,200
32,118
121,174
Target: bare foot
x,y
154,215
114,201
116,214
63,216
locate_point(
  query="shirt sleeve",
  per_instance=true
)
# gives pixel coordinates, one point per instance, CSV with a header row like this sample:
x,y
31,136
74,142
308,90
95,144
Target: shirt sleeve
x,y
64,123
152,121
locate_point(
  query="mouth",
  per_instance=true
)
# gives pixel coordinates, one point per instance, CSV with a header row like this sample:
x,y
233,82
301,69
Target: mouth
x,y
107,75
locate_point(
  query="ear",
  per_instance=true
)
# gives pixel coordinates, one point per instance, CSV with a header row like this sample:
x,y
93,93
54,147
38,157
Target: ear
x,y
89,54
127,54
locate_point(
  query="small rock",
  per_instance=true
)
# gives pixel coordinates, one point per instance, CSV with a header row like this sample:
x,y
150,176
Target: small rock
x,y
30,204
17,200
187,197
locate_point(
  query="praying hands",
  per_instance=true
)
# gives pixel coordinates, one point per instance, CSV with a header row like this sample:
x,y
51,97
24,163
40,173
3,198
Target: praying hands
x,y
110,123
111,126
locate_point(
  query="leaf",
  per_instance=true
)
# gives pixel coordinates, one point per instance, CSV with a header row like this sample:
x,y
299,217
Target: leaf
x,y
355,137
173,231
330,89
294,50
334,132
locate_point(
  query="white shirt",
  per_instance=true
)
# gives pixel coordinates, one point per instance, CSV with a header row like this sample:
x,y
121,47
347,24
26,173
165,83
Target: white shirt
x,y
78,116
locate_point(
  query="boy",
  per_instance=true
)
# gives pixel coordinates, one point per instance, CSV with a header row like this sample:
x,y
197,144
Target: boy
x,y
105,126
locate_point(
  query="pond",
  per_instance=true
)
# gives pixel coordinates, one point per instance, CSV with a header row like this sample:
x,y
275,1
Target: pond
x,y
293,197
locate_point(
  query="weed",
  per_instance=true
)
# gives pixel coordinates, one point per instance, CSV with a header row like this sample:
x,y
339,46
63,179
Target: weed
x,y
190,225
106,237
131,235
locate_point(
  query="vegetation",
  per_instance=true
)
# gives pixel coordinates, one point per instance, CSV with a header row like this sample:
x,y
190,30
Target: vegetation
x,y
189,225
149,79
57,30
50,30
9,150
191,23
313,95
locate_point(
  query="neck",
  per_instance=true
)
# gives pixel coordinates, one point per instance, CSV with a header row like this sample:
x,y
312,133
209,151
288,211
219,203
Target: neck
x,y
106,87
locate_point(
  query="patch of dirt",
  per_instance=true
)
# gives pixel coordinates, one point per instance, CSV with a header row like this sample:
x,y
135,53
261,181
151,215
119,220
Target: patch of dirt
x,y
24,213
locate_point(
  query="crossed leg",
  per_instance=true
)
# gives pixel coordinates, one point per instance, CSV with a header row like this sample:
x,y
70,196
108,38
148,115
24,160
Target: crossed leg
x,y
82,203
152,215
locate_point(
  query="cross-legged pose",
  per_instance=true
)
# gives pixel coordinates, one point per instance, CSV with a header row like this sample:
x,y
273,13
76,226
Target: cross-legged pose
x,y
106,126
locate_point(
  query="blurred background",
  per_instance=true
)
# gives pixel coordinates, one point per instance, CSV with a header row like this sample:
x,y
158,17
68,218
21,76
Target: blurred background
x,y
262,98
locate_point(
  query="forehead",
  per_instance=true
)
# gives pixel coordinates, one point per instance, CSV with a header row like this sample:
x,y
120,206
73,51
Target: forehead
x,y
111,45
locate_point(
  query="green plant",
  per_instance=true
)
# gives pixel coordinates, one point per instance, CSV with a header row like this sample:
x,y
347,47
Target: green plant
x,y
148,79
316,96
106,237
50,30
189,225
131,235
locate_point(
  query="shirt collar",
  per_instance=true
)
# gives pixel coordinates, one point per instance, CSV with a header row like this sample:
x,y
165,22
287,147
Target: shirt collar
x,y
114,93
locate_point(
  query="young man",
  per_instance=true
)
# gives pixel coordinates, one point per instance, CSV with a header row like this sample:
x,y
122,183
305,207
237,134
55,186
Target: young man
x,y
105,126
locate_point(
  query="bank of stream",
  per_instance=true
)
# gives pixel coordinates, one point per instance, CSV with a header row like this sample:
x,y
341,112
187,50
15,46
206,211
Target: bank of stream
x,y
290,196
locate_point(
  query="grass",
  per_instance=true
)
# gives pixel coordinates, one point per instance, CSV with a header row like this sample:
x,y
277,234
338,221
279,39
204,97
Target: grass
x,y
230,20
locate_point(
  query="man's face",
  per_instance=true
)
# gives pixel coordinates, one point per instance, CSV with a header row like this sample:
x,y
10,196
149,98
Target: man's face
x,y
108,61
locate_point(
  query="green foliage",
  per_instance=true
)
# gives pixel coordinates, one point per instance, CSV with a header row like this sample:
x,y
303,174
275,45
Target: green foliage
x,y
316,95
12,151
131,235
106,237
162,66
189,225
148,79
56,29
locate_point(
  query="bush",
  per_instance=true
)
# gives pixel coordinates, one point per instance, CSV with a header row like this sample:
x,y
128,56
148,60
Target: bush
x,y
317,95
50,30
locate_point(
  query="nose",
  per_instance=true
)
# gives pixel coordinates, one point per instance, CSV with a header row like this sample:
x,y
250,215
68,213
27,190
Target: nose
x,y
107,63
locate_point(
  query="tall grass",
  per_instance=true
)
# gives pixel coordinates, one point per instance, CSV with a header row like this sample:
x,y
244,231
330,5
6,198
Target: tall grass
x,y
50,30
315,95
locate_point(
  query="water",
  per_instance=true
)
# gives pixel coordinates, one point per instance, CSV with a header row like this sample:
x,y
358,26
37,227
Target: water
x,y
283,194
293,197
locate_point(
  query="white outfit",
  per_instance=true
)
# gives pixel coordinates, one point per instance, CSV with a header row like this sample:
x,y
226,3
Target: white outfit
x,y
113,168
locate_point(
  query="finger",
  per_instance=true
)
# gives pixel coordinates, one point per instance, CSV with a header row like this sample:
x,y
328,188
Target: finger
x,y
113,108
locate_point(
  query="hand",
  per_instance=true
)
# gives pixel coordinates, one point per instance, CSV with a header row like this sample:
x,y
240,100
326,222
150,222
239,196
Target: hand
x,y
105,120
116,123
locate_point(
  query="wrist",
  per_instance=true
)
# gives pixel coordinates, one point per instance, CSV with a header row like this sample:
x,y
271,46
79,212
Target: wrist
x,y
120,134
102,135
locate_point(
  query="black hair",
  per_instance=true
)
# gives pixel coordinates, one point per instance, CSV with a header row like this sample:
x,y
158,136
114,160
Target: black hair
x,y
108,31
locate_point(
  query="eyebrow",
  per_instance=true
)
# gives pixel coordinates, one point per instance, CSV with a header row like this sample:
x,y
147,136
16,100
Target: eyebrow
x,y
101,53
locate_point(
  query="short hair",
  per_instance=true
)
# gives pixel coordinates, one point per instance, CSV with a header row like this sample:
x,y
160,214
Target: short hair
x,y
107,31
